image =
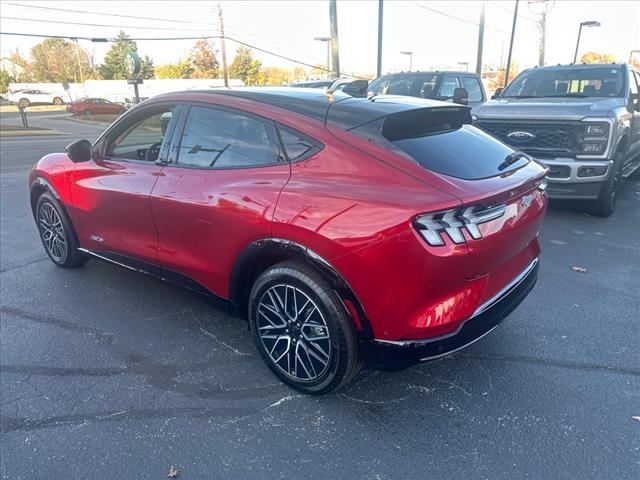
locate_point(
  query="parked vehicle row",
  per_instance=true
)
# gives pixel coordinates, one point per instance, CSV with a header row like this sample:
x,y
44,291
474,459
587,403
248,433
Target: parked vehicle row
x,y
582,121
387,229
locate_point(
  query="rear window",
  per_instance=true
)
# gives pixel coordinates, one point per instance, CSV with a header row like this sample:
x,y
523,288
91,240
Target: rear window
x,y
458,150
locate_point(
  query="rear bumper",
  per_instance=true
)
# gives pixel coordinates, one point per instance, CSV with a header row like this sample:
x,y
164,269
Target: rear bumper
x,y
400,354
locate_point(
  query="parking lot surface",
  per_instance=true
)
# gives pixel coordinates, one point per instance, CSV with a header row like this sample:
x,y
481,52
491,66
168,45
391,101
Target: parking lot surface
x,y
106,373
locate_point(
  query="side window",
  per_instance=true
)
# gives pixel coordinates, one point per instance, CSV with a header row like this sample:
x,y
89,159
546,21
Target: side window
x,y
142,139
473,88
296,145
379,86
447,88
215,138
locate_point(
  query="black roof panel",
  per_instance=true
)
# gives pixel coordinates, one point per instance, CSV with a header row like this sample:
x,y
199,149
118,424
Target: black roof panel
x,y
338,108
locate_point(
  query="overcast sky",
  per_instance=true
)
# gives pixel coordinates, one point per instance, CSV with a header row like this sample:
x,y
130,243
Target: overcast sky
x,y
288,28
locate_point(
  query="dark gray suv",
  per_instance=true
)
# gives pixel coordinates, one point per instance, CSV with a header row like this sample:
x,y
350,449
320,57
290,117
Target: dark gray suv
x,y
582,121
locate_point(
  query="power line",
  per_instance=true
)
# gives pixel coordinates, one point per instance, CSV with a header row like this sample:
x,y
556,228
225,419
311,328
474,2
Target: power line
x,y
205,37
108,14
94,24
510,12
460,19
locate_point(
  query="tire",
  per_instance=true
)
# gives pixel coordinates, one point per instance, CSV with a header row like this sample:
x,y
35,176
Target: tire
x,y
87,112
24,102
56,233
606,202
296,317
58,101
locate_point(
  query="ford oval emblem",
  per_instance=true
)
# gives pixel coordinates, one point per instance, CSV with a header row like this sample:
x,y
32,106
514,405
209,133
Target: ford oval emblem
x,y
521,136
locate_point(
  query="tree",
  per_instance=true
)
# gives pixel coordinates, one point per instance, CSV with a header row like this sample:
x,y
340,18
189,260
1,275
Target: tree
x,y
498,80
299,73
147,70
113,66
5,79
274,76
245,67
204,61
56,60
181,69
18,67
595,57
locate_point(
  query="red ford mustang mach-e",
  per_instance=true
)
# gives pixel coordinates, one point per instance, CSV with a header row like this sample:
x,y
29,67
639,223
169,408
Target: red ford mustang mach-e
x,y
345,229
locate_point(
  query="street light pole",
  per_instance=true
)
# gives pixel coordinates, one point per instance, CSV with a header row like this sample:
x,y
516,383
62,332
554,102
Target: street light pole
x,y
410,54
591,23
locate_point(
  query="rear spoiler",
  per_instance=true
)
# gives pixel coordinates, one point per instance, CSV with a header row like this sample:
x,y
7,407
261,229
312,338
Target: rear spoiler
x,y
418,122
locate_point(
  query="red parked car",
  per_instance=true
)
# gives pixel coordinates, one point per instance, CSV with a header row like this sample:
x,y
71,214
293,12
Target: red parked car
x,y
95,106
344,229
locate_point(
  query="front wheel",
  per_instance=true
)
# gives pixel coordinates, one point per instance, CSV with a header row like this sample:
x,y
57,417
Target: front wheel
x,y
606,202
24,102
302,330
56,233
58,101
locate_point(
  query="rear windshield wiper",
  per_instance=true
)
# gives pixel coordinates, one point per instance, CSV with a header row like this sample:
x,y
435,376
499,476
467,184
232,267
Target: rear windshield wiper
x,y
571,95
517,96
511,159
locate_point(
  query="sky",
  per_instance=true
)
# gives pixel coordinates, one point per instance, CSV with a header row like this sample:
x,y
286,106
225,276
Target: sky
x,y
441,34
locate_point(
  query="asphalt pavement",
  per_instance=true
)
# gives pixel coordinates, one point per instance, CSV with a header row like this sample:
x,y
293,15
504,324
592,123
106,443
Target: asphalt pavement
x,y
105,373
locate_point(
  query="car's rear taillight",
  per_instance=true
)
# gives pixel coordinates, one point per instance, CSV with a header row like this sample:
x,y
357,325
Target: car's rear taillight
x,y
432,226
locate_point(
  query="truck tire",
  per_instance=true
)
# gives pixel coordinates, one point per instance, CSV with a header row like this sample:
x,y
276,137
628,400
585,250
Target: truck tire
x,y
606,202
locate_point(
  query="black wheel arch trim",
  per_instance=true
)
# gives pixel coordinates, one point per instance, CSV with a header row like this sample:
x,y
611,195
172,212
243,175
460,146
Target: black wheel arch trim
x,y
40,183
251,255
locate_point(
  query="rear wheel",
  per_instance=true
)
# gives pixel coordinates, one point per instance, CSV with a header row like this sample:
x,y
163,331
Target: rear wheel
x,y
58,101
24,102
56,234
302,329
87,112
606,202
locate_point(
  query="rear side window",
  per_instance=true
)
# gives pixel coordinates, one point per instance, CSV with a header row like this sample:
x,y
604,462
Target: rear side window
x,y
473,87
214,138
448,144
296,145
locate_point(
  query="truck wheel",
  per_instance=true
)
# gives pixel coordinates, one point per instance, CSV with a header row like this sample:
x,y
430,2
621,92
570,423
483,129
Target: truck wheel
x,y
302,330
606,202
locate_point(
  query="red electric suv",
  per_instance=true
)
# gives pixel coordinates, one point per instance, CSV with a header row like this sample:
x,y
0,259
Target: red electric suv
x,y
387,230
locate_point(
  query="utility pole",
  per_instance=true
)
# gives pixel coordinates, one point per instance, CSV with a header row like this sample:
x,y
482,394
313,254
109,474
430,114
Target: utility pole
x,y
513,33
79,62
327,40
480,41
335,54
379,67
541,8
223,47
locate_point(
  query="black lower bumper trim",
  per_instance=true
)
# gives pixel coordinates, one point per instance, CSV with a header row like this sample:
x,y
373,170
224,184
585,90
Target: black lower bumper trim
x,y
394,357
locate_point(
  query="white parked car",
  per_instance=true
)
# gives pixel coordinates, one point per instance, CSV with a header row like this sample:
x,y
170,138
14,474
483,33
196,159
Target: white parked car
x,y
24,98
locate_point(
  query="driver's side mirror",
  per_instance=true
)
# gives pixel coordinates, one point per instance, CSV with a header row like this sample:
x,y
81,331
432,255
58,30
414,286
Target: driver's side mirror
x,y
497,93
461,96
357,88
80,151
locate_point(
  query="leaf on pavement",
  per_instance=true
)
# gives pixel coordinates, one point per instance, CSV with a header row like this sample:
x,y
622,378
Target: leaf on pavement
x,y
173,472
579,269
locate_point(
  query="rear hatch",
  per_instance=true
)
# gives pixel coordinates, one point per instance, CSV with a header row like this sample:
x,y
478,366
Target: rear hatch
x,y
439,144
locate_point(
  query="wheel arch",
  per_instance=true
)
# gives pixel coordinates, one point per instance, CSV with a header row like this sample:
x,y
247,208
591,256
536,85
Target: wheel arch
x,y
41,185
264,253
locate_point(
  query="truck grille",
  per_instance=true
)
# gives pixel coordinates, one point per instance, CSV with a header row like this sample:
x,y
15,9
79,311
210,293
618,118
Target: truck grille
x,y
548,139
